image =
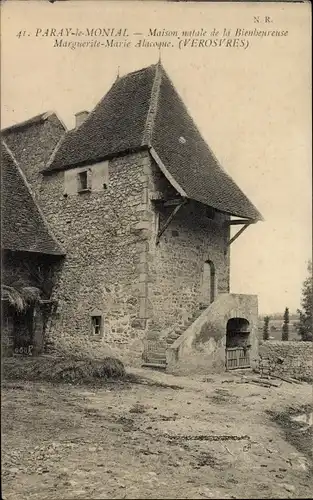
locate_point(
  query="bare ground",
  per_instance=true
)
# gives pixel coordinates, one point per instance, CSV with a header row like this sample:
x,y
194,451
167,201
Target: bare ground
x,y
168,437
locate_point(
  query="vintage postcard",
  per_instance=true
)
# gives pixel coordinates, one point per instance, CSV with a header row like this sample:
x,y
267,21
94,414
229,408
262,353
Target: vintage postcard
x,y
156,295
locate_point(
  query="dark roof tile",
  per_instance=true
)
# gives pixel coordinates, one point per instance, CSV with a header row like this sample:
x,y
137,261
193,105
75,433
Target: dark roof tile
x,y
24,228
189,159
143,109
115,125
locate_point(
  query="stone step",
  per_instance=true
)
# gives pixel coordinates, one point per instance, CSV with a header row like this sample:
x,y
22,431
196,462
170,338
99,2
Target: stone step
x,y
159,359
174,336
156,355
179,330
155,366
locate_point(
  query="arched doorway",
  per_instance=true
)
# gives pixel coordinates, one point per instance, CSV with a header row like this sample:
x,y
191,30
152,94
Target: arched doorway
x,y
237,343
208,283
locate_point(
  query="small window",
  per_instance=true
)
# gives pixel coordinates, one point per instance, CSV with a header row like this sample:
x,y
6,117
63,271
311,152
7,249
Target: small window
x,y
96,323
210,212
83,181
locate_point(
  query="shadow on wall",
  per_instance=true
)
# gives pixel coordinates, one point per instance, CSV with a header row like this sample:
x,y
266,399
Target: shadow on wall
x,y
207,332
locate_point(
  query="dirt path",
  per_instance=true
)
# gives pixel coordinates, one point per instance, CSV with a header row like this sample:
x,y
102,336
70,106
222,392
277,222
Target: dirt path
x,y
211,439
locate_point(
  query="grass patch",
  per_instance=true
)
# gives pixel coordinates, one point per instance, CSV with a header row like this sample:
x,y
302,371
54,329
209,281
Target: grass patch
x,y
58,369
223,396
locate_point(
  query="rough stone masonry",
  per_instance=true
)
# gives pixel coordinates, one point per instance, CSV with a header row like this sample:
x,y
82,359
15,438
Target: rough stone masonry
x,y
289,358
113,264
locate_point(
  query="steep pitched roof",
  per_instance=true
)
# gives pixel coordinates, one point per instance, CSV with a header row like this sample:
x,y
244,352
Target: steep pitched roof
x,y
143,110
23,225
115,125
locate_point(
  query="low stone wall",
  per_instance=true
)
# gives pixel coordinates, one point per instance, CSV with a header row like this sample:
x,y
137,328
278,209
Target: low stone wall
x,y
201,348
290,358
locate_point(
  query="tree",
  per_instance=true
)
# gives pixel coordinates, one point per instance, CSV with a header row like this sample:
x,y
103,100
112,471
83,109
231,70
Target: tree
x,y
285,329
22,297
16,290
24,285
265,328
305,326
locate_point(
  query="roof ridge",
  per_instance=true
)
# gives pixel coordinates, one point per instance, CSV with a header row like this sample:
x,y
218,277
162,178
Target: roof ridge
x,y
137,71
41,117
117,81
28,187
153,106
54,152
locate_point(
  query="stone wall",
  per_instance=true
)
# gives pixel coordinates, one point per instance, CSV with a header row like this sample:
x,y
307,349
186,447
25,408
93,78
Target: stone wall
x,y
290,358
33,145
104,233
177,262
113,263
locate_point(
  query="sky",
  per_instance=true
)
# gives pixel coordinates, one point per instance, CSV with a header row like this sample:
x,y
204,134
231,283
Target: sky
x,y
252,106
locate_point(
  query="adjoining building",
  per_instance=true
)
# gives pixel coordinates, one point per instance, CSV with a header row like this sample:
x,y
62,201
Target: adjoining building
x,y
30,258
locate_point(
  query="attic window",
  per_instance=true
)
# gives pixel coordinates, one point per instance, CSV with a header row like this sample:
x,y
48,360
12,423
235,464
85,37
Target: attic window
x,y
83,181
182,140
209,212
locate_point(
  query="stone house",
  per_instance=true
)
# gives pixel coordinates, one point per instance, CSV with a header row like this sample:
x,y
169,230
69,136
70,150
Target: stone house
x,y
143,210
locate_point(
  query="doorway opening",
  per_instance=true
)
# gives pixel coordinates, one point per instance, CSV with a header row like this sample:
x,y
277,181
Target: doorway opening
x,y
237,343
208,283
22,331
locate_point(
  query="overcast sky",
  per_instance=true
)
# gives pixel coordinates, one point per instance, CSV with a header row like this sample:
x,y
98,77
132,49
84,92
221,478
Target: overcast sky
x,y
252,106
